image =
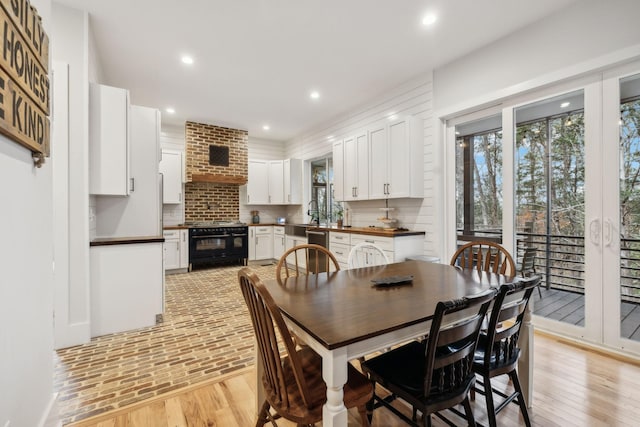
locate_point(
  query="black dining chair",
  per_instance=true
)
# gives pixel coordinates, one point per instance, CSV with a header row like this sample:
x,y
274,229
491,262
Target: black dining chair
x,y
498,350
528,266
435,374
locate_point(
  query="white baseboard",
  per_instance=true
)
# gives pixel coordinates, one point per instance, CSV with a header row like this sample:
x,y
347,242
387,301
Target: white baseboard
x,y
51,416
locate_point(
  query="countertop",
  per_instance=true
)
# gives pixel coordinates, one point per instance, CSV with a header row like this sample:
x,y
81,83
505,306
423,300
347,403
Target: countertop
x,y
370,231
107,241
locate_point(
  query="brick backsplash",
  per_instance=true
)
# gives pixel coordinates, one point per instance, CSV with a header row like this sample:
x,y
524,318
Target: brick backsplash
x,y
211,202
205,201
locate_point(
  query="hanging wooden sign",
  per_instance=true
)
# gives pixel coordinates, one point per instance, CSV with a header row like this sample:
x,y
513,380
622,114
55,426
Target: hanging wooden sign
x,y
20,118
24,77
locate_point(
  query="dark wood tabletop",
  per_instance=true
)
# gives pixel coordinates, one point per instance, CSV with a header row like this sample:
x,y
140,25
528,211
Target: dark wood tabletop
x,y
344,307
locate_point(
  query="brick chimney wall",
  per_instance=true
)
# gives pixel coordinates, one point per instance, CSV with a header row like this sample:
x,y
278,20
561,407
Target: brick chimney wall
x,y
207,201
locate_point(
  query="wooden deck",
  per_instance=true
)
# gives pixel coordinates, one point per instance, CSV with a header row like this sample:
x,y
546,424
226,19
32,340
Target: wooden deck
x,y
569,307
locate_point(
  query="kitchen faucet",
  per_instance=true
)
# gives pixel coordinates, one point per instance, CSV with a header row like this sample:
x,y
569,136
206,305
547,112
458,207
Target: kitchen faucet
x,y
314,213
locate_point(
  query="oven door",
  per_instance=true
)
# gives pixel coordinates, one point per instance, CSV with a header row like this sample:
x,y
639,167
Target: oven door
x,y
239,244
209,246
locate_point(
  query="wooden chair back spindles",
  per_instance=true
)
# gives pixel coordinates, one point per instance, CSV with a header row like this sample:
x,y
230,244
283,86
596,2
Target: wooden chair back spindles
x,y
317,259
484,256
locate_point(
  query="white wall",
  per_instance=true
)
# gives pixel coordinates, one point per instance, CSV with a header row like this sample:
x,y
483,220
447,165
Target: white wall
x,y
26,288
264,149
584,31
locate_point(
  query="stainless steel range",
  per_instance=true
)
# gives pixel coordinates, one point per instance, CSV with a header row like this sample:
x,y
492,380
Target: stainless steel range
x,y
218,242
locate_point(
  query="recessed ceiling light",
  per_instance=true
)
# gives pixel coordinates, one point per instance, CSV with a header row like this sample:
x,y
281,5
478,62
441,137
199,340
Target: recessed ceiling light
x,y
565,104
187,60
429,19
170,110
330,137
315,94
266,127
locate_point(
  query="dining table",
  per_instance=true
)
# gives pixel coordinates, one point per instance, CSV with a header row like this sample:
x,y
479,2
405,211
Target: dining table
x,y
346,314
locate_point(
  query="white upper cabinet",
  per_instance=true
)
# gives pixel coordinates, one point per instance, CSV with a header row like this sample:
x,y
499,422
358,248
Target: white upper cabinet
x,y
293,181
379,159
108,140
139,213
355,166
258,183
338,171
397,159
171,167
276,182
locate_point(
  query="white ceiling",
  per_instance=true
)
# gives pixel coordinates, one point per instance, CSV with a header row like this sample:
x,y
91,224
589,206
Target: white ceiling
x,y
256,61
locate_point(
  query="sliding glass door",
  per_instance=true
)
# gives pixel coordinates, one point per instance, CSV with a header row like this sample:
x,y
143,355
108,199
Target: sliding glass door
x,y
557,174
621,208
550,201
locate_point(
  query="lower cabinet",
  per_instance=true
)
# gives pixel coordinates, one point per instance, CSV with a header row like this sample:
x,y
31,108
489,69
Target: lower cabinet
x,y
292,241
260,242
340,246
279,242
176,249
395,248
127,290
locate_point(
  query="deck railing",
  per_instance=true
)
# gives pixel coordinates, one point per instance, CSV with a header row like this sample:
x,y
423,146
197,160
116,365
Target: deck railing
x,y
560,261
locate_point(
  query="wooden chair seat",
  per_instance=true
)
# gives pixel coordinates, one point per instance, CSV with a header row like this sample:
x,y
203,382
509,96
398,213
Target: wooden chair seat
x,y
357,390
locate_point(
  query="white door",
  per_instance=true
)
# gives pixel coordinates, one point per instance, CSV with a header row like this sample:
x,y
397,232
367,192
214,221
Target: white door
x,y
350,168
620,217
276,182
378,161
399,158
258,182
568,185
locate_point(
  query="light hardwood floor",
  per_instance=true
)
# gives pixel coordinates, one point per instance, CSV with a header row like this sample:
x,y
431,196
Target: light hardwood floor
x,y
572,387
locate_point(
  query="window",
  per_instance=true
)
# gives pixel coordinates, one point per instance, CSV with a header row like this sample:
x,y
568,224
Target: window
x,y
479,180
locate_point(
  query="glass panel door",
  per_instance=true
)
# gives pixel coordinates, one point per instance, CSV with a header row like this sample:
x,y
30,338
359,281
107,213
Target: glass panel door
x,y
621,211
478,168
629,207
550,202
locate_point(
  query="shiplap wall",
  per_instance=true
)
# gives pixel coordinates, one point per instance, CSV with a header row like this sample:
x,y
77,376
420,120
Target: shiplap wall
x,y
412,98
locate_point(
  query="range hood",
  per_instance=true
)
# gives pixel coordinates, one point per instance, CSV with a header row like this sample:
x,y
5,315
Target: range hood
x,y
215,154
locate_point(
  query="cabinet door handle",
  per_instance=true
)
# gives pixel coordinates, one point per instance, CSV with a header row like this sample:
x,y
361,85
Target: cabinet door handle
x,y
248,198
132,184
179,197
